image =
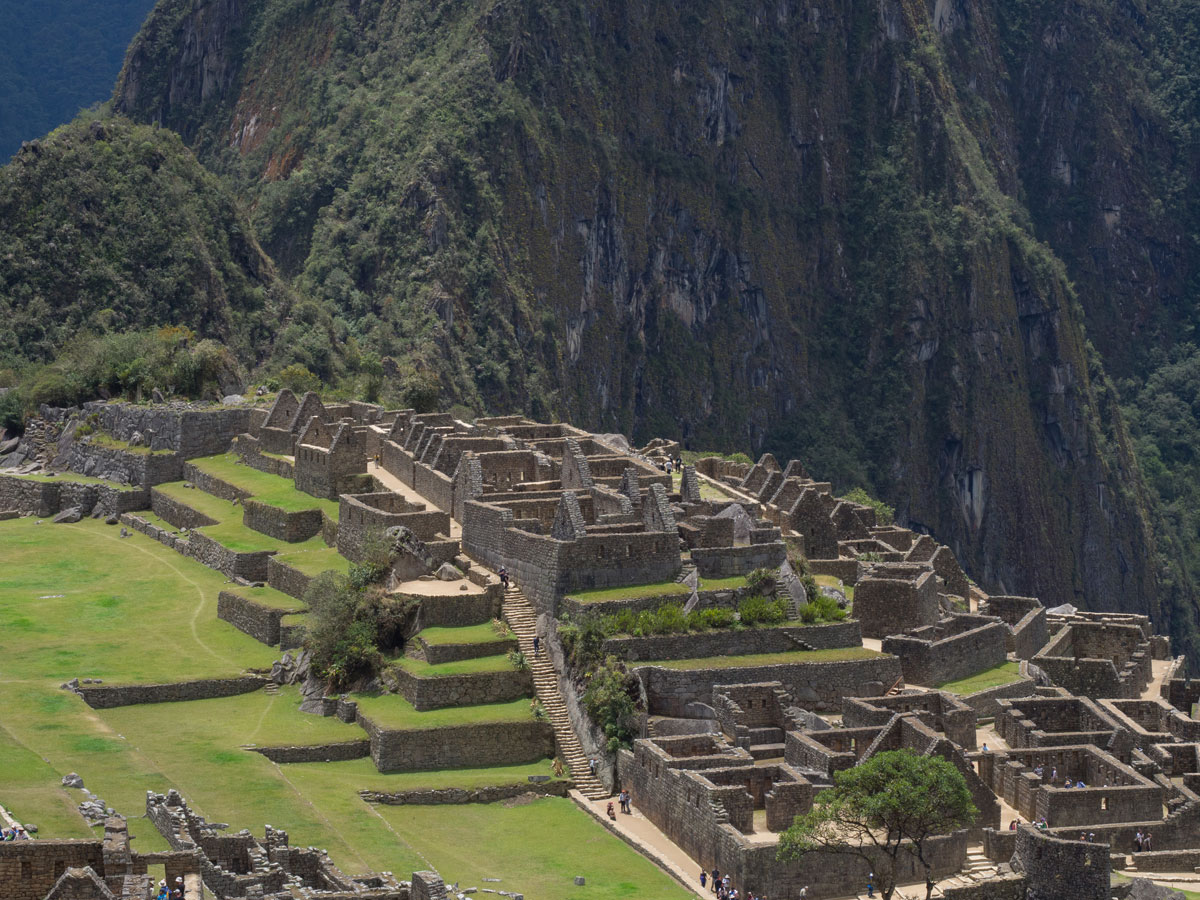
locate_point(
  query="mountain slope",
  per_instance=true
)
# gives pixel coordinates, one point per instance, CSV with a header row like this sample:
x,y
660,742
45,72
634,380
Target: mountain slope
x,y
112,226
803,228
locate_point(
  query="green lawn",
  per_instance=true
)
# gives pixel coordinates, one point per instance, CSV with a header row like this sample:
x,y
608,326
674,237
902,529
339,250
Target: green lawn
x,y
312,557
71,477
637,592
394,712
534,848
209,504
484,633
270,489
1005,673
102,439
495,663
840,654
266,596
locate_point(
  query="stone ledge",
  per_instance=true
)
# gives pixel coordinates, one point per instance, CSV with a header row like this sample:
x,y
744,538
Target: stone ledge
x,y
458,796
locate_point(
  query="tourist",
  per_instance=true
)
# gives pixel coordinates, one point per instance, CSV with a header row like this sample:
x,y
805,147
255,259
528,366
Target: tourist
x,y
557,767
1067,783
1054,774
1091,837
504,577
163,893
716,879
4,835
985,747
22,834
537,646
725,882
703,878
612,813
1137,842
592,763
1146,842
871,885
1080,784
803,893
1012,826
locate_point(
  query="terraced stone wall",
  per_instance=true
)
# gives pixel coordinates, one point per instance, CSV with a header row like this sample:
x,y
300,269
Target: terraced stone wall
x,y
459,746
108,696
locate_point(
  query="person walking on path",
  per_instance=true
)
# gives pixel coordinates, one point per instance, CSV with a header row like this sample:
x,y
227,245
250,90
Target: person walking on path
x,y
716,879
537,646
592,766
703,878
504,577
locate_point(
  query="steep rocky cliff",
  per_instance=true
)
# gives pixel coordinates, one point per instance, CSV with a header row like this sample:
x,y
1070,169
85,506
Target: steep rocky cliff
x,y
797,226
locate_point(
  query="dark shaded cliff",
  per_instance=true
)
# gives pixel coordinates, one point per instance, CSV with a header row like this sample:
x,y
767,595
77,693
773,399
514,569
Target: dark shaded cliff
x,y
827,229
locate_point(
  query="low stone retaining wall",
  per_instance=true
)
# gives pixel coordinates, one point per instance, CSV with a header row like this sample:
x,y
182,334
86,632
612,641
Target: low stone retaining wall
x,y
463,690
259,621
179,514
451,796
286,579
459,746
568,607
210,484
107,696
724,562
1167,860
317,753
203,549
816,686
984,702
249,452
456,610
281,524
735,642
114,464
291,635
46,498
443,653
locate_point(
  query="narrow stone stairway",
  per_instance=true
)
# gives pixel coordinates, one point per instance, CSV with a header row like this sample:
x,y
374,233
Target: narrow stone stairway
x,y
521,618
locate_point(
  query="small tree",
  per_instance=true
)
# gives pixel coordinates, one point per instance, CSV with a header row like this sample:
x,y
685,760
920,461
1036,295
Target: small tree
x,y
891,804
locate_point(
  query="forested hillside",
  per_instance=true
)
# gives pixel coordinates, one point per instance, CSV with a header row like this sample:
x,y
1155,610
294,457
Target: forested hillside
x,y
57,57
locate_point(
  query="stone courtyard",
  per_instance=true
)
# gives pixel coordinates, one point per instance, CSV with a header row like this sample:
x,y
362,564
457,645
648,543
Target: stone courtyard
x,y
875,639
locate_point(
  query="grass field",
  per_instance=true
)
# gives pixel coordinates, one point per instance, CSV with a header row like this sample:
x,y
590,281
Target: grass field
x,y
393,711
534,848
77,479
79,601
841,654
1005,673
495,663
271,489
485,633
658,589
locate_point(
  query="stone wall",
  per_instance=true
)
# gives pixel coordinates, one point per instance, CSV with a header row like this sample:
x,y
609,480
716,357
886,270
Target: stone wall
x,y
189,432
458,746
458,796
281,524
108,696
249,450
735,642
463,690
124,466
336,752
934,662
210,484
1062,870
441,653
178,514
203,549
985,703
29,869
891,600
814,686
453,611
576,610
724,562
259,621
46,498
286,579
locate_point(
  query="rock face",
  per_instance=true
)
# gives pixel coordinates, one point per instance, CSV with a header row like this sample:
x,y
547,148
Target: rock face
x,y
789,228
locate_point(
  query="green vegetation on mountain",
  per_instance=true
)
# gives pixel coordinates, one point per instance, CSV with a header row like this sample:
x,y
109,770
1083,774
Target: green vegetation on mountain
x,y
57,57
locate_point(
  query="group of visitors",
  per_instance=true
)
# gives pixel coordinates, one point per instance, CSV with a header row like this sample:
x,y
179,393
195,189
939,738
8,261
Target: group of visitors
x,y
166,893
672,465
16,833
626,802
1141,842
719,885
1087,837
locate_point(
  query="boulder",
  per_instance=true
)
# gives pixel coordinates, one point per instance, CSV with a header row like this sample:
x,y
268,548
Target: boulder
x,y
233,400
69,515
111,520
447,572
30,827
72,781
1145,889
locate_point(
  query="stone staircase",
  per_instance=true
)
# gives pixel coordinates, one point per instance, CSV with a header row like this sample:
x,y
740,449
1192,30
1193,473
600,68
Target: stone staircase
x,y
521,618
978,868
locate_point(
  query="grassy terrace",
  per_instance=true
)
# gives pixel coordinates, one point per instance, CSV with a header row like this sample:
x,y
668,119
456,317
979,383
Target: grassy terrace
x,y
534,848
496,663
263,486
394,712
834,582
660,589
841,654
79,601
312,557
71,477
266,596
469,634
1005,673
102,439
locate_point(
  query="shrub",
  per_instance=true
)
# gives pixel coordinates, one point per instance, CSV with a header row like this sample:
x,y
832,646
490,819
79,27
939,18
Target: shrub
x,y
821,609
609,702
762,610
298,379
884,514
761,581
714,617
518,661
